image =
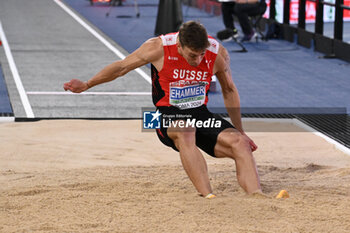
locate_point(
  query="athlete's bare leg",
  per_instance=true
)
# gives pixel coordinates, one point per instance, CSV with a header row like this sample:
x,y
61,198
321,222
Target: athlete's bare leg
x,y
232,144
191,158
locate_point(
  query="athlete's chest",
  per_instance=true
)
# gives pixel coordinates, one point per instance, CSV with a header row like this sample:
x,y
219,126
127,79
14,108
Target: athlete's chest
x,y
176,68
187,85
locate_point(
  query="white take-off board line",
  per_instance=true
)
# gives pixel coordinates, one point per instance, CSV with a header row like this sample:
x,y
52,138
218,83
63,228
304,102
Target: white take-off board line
x,y
22,93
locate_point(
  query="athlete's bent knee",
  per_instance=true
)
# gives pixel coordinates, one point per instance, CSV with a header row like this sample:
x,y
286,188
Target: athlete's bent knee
x,y
238,146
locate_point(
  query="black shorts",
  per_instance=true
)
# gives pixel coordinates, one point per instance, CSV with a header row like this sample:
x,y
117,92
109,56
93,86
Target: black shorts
x,y
205,137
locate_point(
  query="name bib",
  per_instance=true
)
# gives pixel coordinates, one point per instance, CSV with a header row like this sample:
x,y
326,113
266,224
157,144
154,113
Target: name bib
x,y
184,96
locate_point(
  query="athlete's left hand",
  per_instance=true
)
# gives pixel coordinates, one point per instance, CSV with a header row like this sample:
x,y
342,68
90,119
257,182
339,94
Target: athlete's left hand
x,y
252,144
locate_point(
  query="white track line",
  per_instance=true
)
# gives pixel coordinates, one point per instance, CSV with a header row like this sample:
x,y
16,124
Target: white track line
x,y
15,74
89,93
99,37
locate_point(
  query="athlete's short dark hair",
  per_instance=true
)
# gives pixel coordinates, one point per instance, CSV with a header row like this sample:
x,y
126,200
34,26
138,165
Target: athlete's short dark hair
x,y
193,35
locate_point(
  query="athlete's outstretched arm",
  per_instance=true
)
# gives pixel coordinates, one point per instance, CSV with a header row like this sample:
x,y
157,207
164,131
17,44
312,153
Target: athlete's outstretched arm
x,y
148,52
230,93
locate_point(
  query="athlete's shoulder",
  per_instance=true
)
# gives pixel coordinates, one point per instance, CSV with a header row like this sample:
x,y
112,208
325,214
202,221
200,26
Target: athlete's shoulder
x,y
169,39
153,45
222,59
214,45
154,42
151,50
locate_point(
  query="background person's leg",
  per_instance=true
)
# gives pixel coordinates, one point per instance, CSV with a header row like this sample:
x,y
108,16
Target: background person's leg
x,y
242,11
227,14
227,9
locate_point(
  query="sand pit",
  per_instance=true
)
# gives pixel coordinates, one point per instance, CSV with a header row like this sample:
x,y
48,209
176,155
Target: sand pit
x,y
108,176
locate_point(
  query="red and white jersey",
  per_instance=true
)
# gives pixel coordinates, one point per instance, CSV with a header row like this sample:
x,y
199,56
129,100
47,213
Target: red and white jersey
x,y
178,83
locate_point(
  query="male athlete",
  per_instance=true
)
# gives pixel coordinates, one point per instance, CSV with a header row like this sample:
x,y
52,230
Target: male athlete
x,y
182,66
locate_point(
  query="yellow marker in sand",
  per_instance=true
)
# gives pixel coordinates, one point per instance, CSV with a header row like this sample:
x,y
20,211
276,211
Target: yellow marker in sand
x,y
210,196
283,194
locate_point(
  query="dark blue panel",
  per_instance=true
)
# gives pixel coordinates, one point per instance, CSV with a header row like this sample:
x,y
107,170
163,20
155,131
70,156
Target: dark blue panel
x,y
5,105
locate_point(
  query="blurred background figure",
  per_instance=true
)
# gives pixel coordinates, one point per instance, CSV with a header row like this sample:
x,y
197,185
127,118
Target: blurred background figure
x,y
242,9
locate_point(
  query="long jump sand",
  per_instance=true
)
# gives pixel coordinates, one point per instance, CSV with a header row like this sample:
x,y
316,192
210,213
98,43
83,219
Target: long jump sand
x,y
108,176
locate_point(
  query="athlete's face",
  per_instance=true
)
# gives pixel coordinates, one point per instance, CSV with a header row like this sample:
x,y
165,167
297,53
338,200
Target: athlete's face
x,y
193,57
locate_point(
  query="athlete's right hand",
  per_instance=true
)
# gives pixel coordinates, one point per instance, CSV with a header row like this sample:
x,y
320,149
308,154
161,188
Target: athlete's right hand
x,y
76,86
